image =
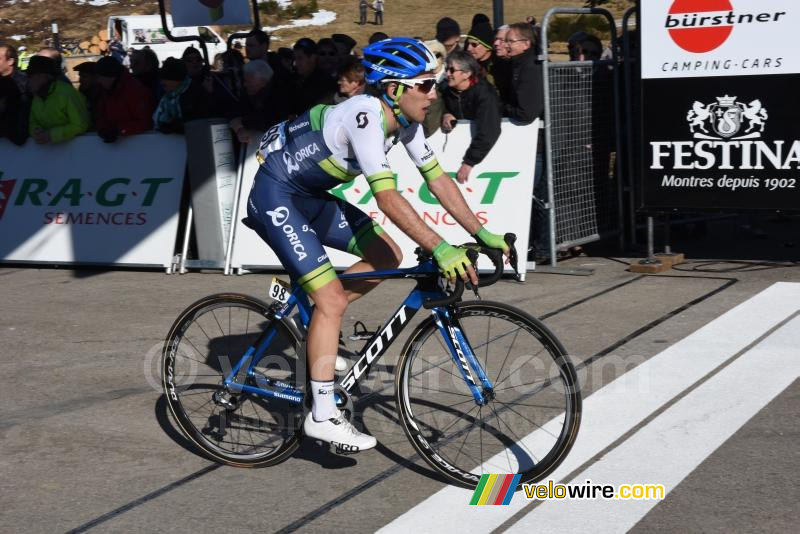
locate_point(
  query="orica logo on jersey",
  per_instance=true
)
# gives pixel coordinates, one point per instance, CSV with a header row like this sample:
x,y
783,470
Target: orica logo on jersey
x,y
279,217
293,163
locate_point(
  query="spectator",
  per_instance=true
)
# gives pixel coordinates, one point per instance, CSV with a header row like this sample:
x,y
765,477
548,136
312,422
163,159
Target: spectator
x,y
90,88
58,112
13,112
213,95
525,104
144,67
480,18
501,66
256,45
479,45
257,110
170,113
377,36
470,96
286,59
362,11
584,46
10,69
313,85
55,55
433,119
377,5
525,99
126,107
448,32
127,61
351,80
229,67
328,57
344,46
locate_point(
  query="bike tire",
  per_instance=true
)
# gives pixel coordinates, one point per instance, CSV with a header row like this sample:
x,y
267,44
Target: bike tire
x,y
198,350
461,440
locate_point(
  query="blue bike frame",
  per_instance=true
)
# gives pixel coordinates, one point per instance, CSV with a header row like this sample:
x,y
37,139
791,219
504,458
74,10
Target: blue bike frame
x,y
455,339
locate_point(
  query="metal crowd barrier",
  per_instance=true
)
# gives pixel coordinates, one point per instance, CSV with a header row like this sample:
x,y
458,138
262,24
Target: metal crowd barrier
x,y
582,128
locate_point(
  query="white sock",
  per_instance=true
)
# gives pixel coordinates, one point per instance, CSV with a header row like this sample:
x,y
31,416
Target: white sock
x,y
324,406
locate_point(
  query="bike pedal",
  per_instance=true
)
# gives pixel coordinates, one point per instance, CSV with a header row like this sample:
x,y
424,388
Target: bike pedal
x,y
360,335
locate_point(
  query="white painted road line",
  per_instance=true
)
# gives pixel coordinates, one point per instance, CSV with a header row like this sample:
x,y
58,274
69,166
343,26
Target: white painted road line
x,y
615,409
671,446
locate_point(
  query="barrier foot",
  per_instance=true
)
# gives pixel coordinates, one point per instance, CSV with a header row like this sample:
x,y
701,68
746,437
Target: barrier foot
x,y
546,268
657,264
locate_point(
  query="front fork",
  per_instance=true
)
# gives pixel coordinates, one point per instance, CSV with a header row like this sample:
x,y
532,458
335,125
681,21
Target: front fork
x,y
463,356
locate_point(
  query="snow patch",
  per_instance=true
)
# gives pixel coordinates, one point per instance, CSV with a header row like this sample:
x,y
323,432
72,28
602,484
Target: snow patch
x,y
320,18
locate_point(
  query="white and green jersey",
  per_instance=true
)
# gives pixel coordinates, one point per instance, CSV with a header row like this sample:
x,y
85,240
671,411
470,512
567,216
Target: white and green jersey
x,y
329,145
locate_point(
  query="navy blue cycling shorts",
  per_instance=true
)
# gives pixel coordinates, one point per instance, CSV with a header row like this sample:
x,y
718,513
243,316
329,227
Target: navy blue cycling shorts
x,y
296,225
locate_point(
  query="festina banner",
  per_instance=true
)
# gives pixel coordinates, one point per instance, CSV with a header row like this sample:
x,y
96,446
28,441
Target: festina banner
x,y
499,191
86,201
210,12
721,124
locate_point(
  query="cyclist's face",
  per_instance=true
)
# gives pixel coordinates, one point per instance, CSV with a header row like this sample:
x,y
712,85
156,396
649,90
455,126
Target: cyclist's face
x,y
415,101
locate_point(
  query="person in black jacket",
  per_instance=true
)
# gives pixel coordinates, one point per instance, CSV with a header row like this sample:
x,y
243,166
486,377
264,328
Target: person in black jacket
x,y
13,112
260,107
526,95
525,103
469,96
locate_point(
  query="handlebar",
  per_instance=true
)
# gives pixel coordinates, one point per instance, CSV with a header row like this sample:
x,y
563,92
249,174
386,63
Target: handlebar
x,y
496,257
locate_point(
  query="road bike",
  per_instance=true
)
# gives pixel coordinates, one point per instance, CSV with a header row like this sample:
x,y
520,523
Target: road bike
x,y
481,386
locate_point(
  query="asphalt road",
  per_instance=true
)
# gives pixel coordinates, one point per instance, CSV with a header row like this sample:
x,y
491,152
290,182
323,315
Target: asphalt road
x,y
87,444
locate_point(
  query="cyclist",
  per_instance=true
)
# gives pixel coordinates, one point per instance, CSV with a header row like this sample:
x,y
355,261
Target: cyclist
x,y
290,207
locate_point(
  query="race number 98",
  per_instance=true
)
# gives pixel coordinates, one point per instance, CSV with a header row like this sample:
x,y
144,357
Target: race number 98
x,y
279,290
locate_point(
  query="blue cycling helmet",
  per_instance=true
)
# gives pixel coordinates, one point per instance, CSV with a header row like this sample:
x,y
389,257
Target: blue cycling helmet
x,y
397,57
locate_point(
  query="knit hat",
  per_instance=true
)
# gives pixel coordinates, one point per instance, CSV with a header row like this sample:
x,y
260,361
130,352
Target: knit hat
x,y
344,39
41,65
447,28
173,69
109,67
482,34
89,67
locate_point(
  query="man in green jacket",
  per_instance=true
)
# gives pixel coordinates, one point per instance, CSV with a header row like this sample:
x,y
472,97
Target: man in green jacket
x,y
58,111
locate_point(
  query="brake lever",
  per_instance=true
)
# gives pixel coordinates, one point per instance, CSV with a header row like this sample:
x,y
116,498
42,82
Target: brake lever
x,y
513,257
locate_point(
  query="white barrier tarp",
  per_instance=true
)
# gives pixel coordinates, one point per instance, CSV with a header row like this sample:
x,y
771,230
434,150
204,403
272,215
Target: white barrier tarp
x,y
86,201
499,192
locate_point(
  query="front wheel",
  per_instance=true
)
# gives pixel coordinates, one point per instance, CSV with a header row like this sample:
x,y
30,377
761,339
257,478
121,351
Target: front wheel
x,y
532,416
205,343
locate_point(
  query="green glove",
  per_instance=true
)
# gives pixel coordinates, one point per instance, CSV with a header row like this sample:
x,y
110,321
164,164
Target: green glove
x,y
490,240
452,261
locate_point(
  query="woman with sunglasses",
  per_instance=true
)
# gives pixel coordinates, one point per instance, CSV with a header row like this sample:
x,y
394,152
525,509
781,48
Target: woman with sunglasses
x,y
291,209
469,96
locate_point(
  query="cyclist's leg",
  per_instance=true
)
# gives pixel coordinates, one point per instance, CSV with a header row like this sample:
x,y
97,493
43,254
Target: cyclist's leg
x,y
282,219
347,228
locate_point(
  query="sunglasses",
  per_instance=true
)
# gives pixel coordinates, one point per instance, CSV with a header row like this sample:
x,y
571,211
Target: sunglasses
x,y
423,84
473,44
451,70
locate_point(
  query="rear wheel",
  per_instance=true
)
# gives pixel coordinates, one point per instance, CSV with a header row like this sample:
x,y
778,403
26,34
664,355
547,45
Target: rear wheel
x,y
533,413
234,427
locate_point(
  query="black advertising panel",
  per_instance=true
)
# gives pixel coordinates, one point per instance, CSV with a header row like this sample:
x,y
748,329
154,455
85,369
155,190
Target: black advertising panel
x,y
720,105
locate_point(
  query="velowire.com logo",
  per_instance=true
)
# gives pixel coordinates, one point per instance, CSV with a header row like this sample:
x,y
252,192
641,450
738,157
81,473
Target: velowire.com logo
x,y
495,489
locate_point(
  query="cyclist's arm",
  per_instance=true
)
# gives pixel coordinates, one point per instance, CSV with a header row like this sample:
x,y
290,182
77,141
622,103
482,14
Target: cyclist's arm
x,y
405,217
448,193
